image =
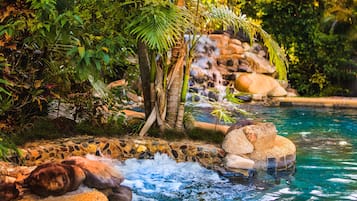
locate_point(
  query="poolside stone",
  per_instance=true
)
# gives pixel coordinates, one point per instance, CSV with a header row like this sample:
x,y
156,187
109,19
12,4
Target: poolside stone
x,y
236,142
54,179
238,162
256,83
98,174
91,195
261,135
284,151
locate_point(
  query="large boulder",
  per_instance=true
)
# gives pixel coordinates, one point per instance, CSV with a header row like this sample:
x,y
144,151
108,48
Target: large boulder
x,y
283,154
256,145
54,179
256,83
99,174
236,142
261,136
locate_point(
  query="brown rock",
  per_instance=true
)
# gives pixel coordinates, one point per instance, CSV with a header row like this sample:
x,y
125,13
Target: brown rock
x,y
259,64
238,162
235,49
243,83
98,174
54,179
236,142
8,191
121,193
235,41
220,39
277,91
256,83
284,152
240,124
92,195
261,135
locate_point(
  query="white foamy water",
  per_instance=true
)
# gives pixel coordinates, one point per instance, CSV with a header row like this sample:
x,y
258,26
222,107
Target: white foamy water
x,y
164,179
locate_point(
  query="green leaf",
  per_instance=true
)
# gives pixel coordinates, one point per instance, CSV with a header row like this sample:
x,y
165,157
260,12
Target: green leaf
x,y
81,51
76,17
106,58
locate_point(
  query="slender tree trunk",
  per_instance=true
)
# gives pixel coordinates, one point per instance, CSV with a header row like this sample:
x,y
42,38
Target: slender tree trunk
x,y
175,84
144,65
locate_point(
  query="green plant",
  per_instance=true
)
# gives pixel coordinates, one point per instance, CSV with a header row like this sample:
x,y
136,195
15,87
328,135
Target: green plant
x,y
320,55
7,148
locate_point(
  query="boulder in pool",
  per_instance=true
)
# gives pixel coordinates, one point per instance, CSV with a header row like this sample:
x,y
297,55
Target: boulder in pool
x,y
258,146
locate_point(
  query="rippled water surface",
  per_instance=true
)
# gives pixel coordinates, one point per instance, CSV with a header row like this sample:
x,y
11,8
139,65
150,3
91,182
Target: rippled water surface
x,y
326,141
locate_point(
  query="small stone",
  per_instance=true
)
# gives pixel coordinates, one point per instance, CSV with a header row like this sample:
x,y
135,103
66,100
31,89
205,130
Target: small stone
x,y
141,148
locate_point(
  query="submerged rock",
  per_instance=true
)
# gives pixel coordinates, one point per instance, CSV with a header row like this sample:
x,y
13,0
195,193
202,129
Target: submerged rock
x,y
238,162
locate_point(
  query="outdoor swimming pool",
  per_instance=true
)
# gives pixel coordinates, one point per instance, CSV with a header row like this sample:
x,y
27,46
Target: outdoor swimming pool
x,y
326,141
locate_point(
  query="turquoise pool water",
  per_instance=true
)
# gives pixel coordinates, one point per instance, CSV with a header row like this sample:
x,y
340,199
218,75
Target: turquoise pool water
x,y
326,141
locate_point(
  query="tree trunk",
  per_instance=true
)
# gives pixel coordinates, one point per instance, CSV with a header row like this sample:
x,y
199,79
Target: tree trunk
x,y
144,65
175,84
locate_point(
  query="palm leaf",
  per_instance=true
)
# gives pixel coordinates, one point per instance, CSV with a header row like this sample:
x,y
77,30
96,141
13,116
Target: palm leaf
x,y
159,25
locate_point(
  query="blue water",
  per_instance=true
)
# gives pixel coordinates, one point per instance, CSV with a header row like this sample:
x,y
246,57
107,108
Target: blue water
x,y
326,169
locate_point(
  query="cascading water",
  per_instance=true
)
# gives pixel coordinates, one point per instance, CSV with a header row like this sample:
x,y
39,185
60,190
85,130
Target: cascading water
x,y
164,179
206,79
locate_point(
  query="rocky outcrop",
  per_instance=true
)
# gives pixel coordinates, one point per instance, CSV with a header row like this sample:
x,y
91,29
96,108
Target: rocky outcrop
x,y
58,178
258,146
220,62
97,174
54,179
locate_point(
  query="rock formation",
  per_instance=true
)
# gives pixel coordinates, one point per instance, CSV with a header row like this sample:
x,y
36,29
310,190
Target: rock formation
x,y
54,179
222,62
98,174
258,146
57,179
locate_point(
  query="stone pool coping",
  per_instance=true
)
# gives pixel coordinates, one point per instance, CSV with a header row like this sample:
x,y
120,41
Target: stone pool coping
x,y
335,102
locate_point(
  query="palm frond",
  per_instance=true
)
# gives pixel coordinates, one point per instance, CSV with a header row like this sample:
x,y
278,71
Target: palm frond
x,y
159,25
227,17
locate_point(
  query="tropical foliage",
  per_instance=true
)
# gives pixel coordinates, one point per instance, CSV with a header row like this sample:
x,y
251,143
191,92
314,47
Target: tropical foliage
x,y
319,38
67,50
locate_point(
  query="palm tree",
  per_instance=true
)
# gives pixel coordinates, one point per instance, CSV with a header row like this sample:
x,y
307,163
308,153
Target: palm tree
x,y
159,28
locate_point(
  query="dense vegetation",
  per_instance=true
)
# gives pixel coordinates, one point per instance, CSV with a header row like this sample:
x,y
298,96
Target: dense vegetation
x,y
68,50
320,38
